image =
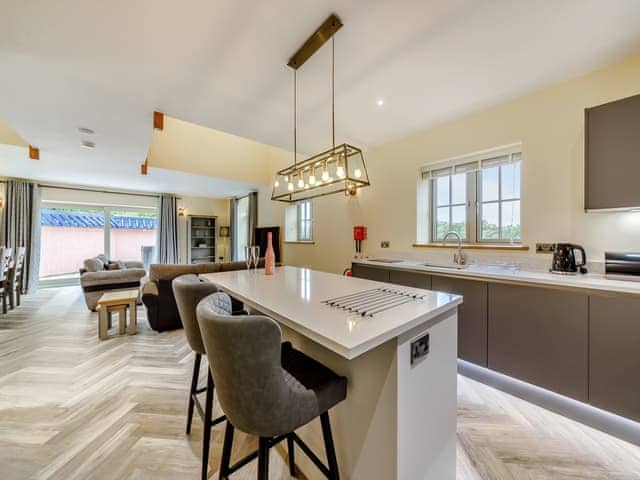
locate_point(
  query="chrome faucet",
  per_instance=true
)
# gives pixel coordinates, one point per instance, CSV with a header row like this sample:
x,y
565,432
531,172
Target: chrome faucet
x,y
458,258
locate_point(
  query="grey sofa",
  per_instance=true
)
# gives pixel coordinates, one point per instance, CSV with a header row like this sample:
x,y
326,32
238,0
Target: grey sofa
x,y
100,275
158,297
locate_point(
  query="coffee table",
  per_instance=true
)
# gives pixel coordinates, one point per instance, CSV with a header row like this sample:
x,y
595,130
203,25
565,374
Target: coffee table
x,y
119,302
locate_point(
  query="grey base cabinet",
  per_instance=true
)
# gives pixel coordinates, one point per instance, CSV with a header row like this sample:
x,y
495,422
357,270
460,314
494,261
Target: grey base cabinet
x,y
410,279
614,343
472,316
370,273
540,336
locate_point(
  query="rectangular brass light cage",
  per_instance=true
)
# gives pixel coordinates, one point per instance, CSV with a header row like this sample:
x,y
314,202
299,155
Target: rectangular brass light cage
x,y
345,172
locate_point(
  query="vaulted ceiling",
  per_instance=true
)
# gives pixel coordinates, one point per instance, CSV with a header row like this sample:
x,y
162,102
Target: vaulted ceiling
x,y
222,64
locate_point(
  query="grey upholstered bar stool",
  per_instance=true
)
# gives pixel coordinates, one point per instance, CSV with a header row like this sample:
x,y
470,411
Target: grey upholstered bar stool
x,y
188,291
266,387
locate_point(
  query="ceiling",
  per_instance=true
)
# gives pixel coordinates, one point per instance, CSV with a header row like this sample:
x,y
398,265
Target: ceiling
x,y
222,64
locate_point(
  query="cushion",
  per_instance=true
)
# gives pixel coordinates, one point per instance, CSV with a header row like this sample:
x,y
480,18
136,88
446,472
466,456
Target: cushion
x,y
94,264
112,266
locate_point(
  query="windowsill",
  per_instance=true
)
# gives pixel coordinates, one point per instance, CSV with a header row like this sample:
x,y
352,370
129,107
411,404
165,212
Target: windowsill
x,y
300,242
475,246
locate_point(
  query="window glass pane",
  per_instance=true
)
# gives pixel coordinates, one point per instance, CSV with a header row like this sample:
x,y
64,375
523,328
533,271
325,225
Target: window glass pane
x,y
132,236
490,221
459,221
442,225
442,190
511,220
490,184
459,188
69,236
511,180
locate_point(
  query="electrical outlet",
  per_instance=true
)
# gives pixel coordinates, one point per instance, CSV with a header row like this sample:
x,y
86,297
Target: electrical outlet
x,y
385,244
544,247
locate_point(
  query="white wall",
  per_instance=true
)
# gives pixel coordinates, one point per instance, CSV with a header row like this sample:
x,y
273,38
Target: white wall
x,y
550,126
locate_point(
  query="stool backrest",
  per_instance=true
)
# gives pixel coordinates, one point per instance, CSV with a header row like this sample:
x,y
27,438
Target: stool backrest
x,y
188,291
244,354
5,261
18,264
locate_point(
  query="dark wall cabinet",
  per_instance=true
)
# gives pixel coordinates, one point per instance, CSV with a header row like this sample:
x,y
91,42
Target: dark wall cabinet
x,y
614,341
472,316
370,273
410,279
540,336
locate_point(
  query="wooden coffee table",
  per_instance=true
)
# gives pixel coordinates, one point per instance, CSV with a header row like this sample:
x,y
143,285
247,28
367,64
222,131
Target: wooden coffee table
x,y
119,302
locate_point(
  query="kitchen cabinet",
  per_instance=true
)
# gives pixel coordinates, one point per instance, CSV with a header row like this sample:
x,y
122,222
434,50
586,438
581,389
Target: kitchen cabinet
x,y
614,364
472,316
370,273
541,336
410,279
612,148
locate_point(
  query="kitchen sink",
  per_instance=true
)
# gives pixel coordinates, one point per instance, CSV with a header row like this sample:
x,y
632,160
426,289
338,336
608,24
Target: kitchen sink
x,y
452,266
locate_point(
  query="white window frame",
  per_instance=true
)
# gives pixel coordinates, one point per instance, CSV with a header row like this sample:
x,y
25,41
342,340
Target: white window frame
x,y
299,222
473,165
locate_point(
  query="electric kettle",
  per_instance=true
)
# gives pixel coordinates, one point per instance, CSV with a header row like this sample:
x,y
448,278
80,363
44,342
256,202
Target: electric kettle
x,y
564,259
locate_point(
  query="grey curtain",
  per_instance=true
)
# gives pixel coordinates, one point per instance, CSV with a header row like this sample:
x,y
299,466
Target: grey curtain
x,y
168,251
253,217
21,226
232,229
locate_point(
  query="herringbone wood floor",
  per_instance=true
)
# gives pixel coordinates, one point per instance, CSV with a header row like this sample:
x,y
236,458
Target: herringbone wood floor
x,y
72,407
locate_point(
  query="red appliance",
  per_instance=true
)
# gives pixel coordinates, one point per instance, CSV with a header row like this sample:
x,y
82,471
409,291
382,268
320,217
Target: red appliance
x,y
359,234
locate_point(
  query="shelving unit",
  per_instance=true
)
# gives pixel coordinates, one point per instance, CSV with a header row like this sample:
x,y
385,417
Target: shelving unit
x,y
201,236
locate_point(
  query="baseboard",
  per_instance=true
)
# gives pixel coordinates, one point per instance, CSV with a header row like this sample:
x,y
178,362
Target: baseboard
x,y
602,420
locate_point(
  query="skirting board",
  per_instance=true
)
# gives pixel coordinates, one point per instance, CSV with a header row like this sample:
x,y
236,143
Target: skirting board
x,y
602,420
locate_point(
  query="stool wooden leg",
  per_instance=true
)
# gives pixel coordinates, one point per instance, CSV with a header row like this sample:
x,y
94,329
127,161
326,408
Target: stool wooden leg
x,y
192,392
292,460
263,459
206,434
226,452
133,318
122,320
329,447
102,322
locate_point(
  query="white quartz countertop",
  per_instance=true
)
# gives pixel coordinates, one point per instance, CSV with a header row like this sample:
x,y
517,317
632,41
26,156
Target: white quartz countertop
x,y
590,281
294,296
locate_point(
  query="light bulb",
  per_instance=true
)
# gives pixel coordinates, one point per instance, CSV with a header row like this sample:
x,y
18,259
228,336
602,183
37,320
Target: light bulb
x,y
286,178
276,184
357,172
340,171
290,187
325,175
300,183
306,185
312,179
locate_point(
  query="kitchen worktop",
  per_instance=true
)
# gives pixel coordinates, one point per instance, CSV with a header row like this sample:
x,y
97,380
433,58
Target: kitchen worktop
x,y
589,281
294,297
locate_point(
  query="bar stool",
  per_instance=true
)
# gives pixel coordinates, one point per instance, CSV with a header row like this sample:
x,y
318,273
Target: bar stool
x,y
266,387
16,278
5,271
188,291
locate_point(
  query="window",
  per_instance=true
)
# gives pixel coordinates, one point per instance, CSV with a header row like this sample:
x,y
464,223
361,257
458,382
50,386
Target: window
x,y
72,233
241,235
476,196
299,222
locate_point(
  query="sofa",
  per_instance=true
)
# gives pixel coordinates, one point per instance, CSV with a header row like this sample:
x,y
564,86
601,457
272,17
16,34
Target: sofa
x,y
100,275
157,293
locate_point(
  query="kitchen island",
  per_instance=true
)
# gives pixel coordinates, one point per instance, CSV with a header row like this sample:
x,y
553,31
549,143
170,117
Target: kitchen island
x,y
399,419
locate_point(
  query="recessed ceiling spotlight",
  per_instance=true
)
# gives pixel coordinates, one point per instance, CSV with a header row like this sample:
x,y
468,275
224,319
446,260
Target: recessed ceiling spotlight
x,y
380,102
85,131
88,144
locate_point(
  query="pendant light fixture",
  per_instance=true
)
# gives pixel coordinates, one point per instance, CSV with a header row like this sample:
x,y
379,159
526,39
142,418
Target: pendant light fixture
x,y
341,168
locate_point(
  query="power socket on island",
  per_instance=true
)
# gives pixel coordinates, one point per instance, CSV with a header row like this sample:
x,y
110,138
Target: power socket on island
x,y
385,244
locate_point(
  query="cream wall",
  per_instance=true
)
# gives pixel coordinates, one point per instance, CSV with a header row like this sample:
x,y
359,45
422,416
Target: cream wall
x,y
550,126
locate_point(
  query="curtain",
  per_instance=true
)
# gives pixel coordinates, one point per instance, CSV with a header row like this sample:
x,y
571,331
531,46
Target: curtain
x,y
253,218
21,227
232,229
168,251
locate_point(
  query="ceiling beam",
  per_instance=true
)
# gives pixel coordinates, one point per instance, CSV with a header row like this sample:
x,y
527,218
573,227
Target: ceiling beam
x,y
34,153
158,120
